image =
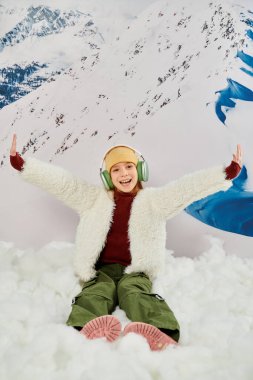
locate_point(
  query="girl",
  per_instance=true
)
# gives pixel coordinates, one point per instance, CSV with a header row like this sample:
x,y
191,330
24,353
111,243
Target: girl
x,y
120,241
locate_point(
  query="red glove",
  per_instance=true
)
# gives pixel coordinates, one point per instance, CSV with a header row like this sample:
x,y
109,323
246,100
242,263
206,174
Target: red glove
x,y
17,162
232,170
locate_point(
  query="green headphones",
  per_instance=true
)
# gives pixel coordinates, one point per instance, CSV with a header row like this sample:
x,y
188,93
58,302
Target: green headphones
x,y
141,167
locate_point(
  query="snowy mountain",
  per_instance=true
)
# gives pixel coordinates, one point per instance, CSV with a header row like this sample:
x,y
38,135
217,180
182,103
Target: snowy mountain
x,y
40,46
157,87
40,22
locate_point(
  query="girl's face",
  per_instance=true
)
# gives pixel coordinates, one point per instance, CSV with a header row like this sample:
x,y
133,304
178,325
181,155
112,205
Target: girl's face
x,y
124,176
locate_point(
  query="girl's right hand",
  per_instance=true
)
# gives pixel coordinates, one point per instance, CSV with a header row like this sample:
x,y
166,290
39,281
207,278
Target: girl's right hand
x,y
16,160
13,150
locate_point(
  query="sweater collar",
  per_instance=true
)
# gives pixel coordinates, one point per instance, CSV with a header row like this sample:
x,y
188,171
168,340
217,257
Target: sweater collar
x,y
121,195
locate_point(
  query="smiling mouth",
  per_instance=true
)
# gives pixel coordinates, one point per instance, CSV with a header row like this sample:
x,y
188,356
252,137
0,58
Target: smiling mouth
x,y
125,182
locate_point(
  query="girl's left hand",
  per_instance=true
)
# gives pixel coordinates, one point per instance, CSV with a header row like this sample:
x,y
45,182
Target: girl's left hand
x,y
237,157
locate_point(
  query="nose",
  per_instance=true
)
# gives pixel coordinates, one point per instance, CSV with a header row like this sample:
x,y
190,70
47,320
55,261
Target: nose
x,y
124,171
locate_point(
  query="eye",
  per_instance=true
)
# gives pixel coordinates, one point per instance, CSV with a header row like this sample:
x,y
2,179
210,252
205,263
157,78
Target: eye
x,y
115,170
129,166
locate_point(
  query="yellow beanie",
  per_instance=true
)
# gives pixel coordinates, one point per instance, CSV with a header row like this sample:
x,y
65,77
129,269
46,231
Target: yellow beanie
x,y
120,154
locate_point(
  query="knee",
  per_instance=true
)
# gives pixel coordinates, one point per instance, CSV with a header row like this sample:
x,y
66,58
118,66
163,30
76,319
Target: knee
x,y
133,283
96,289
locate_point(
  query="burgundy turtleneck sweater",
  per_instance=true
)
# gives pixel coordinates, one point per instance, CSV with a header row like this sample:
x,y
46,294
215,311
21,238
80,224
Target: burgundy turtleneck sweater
x,y
117,248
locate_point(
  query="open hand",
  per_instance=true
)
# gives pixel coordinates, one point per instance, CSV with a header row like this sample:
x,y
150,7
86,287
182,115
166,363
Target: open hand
x,y
13,150
16,160
237,157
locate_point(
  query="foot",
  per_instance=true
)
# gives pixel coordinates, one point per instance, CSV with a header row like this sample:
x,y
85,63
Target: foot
x,y
106,326
157,340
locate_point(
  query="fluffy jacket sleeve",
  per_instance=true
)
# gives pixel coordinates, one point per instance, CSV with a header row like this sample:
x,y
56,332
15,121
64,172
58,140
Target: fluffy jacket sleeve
x,y
72,191
175,196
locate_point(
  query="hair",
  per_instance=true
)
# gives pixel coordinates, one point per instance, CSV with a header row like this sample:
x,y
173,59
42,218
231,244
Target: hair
x,y
137,187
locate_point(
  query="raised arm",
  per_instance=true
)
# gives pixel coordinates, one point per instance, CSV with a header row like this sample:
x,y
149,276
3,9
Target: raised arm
x,y
177,195
72,191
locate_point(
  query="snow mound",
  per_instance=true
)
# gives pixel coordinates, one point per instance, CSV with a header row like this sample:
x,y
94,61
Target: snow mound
x,y
211,296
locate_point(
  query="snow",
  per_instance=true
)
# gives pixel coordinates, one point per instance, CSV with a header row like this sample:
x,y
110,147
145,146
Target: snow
x,y
211,296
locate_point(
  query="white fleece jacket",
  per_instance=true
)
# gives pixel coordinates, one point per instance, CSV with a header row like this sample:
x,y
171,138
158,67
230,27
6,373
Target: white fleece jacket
x,y
147,225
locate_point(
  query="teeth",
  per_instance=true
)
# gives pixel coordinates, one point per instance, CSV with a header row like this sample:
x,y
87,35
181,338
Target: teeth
x,y
127,181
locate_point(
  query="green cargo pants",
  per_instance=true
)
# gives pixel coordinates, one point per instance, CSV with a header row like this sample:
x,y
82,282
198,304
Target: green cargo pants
x,y
132,292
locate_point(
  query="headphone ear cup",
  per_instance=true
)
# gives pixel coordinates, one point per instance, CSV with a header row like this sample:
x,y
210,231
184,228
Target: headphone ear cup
x,y
106,179
142,170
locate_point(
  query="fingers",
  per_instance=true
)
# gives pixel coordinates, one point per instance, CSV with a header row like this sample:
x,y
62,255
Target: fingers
x,y
13,150
237,157
239,151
